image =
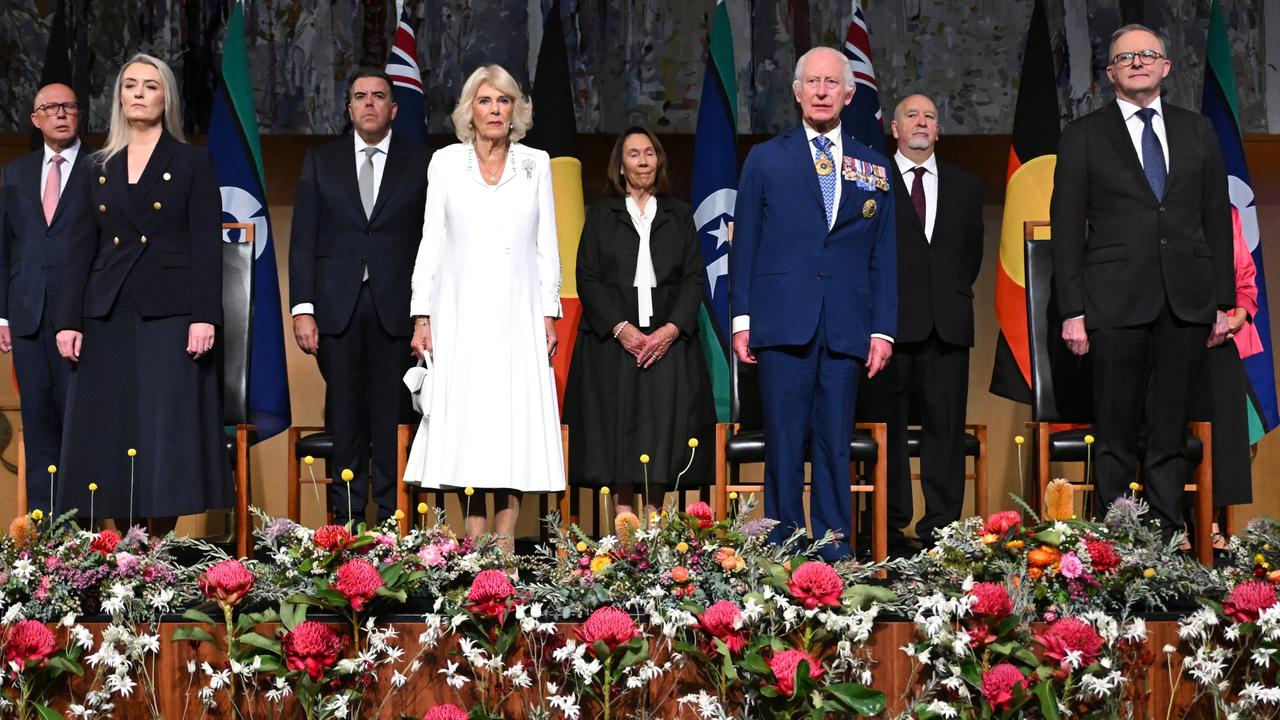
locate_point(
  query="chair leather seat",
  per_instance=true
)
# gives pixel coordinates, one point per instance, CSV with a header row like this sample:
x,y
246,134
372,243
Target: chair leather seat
x,y
1069,446
747,446
972,448
317,445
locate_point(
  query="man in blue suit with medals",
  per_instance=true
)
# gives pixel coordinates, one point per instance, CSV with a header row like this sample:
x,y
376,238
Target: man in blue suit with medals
x,y
813,292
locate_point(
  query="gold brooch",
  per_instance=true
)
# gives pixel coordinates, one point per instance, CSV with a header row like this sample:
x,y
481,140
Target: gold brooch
x,y
869,209
824,166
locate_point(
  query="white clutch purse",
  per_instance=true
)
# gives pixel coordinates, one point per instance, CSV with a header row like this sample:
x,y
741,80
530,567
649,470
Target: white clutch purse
x,y
418,380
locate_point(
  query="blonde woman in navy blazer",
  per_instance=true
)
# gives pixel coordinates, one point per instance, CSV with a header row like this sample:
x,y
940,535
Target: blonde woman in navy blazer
x,y
140,307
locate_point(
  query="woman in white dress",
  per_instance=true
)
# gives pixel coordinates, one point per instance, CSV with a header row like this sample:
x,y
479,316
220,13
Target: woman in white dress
x,y
486,293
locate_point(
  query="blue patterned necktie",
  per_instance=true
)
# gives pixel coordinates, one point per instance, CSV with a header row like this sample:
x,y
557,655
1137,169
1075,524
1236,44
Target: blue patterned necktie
x,y
1152,154
826,174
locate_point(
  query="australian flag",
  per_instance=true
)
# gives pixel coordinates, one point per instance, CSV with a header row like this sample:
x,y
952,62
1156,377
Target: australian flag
x,y
402,66
862,117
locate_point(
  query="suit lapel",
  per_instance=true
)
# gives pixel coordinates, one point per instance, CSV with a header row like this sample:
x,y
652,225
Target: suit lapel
x,y
79,166
345,157
157,166
115,192
797,146
628,252
1122,143
1178,135
902,196
29,180
394,165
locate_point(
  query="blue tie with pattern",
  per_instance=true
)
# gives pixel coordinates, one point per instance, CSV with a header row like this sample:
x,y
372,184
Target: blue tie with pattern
x,y
1152,154
826,174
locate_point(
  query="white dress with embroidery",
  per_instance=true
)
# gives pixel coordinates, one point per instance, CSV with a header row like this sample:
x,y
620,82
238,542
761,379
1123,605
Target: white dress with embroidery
x,y
487,273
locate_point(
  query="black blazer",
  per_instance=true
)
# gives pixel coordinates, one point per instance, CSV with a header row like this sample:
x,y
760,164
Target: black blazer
x,y
606,271
33,253
1118,250
935,279
160,241
332,241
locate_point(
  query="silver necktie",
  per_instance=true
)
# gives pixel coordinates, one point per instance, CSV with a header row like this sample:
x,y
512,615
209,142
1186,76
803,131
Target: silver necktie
x,y
368,196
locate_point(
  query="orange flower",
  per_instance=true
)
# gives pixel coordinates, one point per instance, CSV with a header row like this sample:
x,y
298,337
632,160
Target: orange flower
x,y
1015,544
1274,576
1034,573
990,539
1043,557
679,574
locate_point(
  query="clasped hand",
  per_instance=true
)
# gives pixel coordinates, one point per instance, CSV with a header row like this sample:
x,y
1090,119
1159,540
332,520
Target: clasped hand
x,y
648,349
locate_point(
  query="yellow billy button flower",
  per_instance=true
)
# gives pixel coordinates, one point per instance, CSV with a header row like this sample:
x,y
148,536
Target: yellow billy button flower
x,y
653,518
733,495
682,547
693,442
582,546
132,452
1135,486
93,487
1149,573
1088,439
1260,559
53,469
422,508
1019,440
644,459
309,460
469,491
399,515
37,514
347,475
604,490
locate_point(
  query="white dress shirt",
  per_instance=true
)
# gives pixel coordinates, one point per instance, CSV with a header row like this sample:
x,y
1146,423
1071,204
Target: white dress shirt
x,y
645,279
1134,125
929,182
379,162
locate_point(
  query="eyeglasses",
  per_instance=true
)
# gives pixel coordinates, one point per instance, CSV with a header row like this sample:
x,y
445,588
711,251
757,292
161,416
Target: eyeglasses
x,y
1146,57
52,109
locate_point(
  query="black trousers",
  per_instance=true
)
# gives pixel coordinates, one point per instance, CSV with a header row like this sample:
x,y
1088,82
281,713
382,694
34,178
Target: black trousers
x,y
364,401
1152,367
933,376
42,382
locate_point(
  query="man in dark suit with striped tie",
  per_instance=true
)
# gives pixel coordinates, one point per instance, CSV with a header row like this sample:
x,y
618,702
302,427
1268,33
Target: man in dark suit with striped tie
x,y
44,201
1142,254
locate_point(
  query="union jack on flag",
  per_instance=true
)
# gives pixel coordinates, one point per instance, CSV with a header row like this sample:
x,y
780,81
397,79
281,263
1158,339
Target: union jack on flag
x,y
862,116
402,66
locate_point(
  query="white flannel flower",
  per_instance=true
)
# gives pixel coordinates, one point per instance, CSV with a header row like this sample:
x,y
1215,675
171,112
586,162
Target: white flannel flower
x,y
398,679
566,704
23,569
942,709
1136,630
12,615
454,678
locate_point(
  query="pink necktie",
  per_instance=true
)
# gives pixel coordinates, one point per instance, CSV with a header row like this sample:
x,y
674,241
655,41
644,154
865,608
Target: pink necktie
x,y
53,188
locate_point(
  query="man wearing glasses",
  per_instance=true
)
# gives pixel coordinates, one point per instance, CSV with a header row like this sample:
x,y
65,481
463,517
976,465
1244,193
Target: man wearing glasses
x,y
44,200
1142,253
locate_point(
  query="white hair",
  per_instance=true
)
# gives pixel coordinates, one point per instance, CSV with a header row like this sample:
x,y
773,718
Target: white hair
x,y
848,80
503,82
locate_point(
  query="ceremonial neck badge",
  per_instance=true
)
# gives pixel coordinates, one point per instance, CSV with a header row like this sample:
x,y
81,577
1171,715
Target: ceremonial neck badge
x,y
823,166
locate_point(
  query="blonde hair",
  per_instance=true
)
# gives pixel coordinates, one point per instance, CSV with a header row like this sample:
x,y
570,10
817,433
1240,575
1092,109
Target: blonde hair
x,y
118,134
498,77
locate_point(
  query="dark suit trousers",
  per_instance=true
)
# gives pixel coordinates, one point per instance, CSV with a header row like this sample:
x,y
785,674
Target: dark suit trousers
x,y
807,395
42,382
933,376
1159,361
364,401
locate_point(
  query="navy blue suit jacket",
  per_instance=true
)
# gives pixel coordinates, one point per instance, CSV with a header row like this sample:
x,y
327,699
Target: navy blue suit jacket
x,y
32,251
786,267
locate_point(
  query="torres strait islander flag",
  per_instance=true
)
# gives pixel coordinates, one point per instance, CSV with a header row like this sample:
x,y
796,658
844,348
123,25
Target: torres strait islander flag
x,y
1028,189
1220,105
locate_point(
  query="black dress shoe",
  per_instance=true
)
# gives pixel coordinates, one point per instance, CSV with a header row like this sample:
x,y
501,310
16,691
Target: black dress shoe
x,y
904,547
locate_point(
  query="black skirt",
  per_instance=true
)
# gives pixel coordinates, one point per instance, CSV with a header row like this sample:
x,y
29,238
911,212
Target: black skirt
x,y
136,387
616,412
1223,400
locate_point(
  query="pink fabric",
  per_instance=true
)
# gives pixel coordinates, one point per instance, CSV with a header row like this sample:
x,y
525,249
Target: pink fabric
x,y
52,188
1247,340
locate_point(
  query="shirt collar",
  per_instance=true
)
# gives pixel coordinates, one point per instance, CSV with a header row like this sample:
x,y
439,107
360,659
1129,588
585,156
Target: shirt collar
x,y
384,145
905,164
70,153
833,135
1128,109
650,206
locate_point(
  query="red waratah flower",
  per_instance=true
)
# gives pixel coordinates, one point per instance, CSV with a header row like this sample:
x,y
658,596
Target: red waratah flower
x,y
1102,554
702,511
28,641
105,543
1001,522
332,537
446,712
358,581
490,594
816,583
312,647
609,625
721,620
226,583
1071,634
1248,599
999,684
992,601
784,666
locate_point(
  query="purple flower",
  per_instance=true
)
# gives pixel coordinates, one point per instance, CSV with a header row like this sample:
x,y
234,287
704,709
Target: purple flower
x,y
758,528
1071,566
136,537
278,527
126,564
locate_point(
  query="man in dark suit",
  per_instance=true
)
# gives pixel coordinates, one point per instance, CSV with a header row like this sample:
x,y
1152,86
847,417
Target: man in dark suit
x,y
1142,254
45,199
813,293
357,224
939,219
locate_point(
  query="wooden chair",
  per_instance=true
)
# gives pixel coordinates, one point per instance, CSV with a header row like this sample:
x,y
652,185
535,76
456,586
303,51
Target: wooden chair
x,y
316,442
1061,391
237,340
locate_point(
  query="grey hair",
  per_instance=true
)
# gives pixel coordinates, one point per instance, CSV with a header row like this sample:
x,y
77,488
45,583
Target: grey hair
x,y
848,66
1132,27
118,134
497,76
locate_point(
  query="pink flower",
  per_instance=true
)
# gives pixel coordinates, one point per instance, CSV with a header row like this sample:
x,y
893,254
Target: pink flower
x,y
226,583
1071,635
446,712
28,642
1248,599
490,594
1001,523
105,543
358,581
816,583
999,684
723,620
1070,566
312,647
1102,555
702,511
609,625
332,537
431,556
784,666
992,601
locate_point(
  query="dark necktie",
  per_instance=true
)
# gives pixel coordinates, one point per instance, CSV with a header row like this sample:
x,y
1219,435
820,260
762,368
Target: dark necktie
x,y
1152,154
917,192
